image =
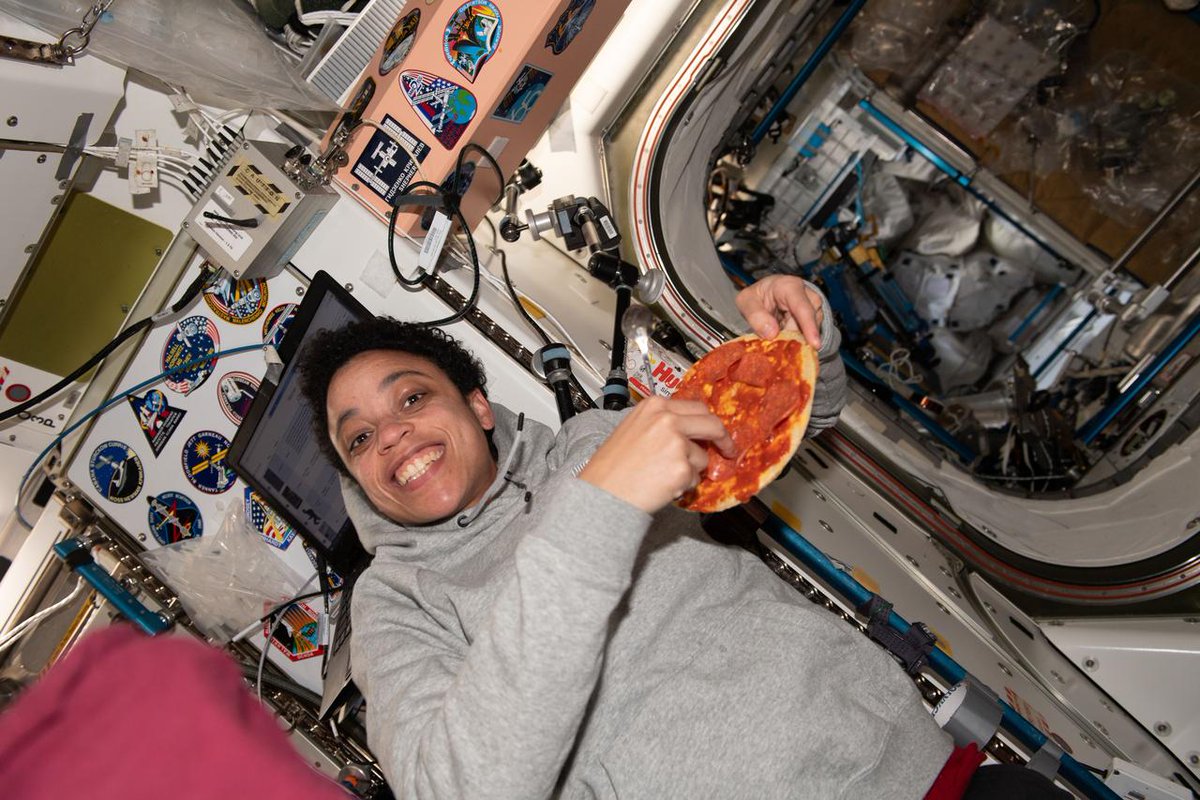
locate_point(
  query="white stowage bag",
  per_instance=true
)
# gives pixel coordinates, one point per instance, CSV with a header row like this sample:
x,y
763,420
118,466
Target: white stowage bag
x,y
986,289
886,205
948,221
1008,242
963,358
962,294
216,49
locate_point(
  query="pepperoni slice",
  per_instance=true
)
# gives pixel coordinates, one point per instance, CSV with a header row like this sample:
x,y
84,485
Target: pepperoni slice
x,y
716,363
754,369
779,403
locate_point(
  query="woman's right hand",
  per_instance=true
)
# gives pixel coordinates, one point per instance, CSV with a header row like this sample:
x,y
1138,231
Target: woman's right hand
x,y
654,455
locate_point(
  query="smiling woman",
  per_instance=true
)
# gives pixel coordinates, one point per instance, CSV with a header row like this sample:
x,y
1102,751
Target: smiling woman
x,y
409,437
402,409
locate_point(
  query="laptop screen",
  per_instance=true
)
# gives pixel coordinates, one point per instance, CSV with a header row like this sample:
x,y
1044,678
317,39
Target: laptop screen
x,y
275,450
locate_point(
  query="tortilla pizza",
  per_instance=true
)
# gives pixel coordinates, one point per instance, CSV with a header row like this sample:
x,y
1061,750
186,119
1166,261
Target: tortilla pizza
x,y
762,390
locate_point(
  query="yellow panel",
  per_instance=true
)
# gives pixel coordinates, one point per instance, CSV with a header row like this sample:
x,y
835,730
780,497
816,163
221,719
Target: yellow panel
x,y
89,274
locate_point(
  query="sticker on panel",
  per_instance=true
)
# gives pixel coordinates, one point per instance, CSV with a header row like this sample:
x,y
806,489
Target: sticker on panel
x,y
157,418
520,98
472,37
399,41
204,462
569,24
445,107
173,517
189,353
116,471
390,160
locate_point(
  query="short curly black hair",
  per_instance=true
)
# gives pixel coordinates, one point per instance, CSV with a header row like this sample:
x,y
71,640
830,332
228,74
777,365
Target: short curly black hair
x,y
330,350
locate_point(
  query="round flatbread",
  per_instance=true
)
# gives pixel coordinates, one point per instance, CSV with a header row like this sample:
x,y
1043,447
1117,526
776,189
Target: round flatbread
x,y
762,390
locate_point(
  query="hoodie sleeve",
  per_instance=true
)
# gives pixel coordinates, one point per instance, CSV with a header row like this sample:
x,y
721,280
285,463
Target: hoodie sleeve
x,y
496,717
830,395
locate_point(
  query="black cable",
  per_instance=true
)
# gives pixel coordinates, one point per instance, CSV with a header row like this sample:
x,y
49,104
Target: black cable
x,y
474,298
191,293
512,292
249,222
421,274
491,160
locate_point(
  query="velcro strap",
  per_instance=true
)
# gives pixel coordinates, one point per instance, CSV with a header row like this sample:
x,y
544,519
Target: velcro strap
x,y
911,648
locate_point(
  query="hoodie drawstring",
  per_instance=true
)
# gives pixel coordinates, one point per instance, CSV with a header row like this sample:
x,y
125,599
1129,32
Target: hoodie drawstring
x,y
502,476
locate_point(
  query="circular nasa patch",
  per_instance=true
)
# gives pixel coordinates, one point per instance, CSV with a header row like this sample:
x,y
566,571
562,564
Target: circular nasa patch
x,y
174,517
204,462
237,301
191,343
235,393
265,520
116,471
275,324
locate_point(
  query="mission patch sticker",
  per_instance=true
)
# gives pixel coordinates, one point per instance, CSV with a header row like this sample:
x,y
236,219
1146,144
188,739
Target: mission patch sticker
x,y
518,101
235,393
390,160
472,36
266,521
157,418
237,301
399,41
116,471
444,106
173,517
187,352
204,462
296,632
275,323
569,25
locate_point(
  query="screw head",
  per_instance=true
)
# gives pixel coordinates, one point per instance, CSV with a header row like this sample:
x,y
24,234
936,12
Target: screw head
x,y
28,248
12,121
349,287
41,159
1194,759
1162,728
1091,664
299,291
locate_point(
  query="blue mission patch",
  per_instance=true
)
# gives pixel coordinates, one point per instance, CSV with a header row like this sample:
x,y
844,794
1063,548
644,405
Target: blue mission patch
x,y
116,471
173,517
204,462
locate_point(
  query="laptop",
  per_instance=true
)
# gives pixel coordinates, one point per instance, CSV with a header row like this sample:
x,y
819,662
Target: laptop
x,y
276,453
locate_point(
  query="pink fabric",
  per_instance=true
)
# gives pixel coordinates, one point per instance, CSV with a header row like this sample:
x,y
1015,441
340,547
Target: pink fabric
x,y
127,716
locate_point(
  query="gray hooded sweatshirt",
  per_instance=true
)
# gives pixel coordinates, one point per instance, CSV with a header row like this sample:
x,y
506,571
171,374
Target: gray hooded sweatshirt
x,y
555,641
